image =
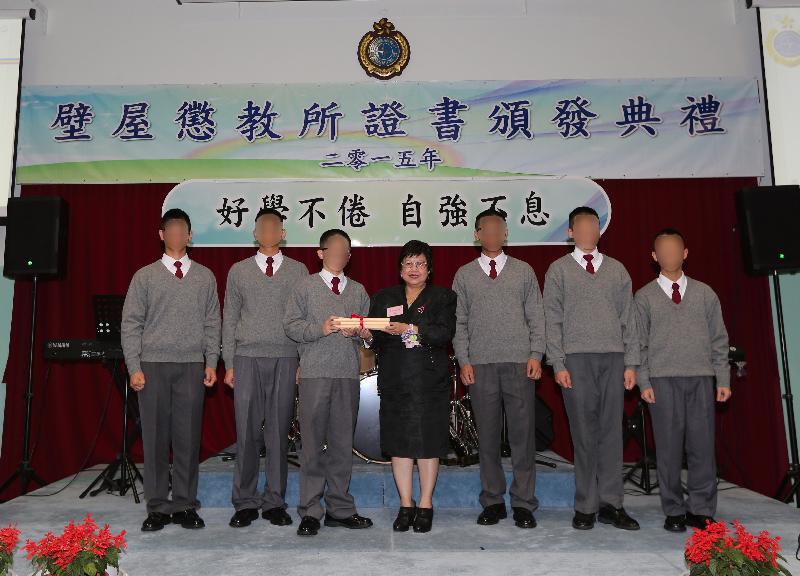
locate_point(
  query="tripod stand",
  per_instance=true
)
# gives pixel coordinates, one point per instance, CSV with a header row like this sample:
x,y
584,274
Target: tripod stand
x,y
108,317
123,463
790,485
25,473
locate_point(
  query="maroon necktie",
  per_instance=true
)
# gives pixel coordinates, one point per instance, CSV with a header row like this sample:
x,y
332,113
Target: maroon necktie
x,y
676,293
589,265
269,266
493,271
178,271
335,285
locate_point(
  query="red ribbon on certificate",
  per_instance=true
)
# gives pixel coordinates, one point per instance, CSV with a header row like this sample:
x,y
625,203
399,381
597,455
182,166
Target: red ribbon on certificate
x,y
361,318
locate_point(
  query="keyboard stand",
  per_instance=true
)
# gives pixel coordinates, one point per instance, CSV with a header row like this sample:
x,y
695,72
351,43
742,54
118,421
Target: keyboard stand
x,y
123,465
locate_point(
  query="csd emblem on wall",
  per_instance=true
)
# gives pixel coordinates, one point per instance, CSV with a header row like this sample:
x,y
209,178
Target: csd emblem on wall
x,y
383,52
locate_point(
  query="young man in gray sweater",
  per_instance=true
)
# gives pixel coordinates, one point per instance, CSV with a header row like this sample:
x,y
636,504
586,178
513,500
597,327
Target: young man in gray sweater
x,y
684,352
499,343
261,367
329,385
593,346
170,338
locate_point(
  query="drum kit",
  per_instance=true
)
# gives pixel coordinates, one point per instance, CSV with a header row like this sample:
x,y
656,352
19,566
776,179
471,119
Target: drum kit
x,y
367,438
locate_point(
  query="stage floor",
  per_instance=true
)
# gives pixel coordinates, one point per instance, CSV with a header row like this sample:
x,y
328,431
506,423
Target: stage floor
x,y
457,545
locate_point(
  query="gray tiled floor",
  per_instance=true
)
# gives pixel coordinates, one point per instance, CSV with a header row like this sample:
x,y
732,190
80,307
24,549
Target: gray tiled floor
x,y
455,546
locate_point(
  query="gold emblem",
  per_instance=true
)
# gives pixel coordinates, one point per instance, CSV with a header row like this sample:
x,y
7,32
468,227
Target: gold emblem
x,y
383,52
783,42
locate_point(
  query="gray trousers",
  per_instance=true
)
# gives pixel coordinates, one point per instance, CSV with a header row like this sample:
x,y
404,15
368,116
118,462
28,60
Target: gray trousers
x,y
497,386
328,410
263,399
171,407
594,408
683,418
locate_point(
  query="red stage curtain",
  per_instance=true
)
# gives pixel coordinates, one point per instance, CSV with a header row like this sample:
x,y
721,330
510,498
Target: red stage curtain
x,y
113,232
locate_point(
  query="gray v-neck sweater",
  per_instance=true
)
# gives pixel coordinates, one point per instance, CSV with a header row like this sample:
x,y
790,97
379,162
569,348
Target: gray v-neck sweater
x,y
500,320
589,312
171,319
686,339
255,304
311,303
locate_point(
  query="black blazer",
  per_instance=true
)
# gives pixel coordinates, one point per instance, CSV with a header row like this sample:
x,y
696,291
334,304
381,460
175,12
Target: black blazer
x,y
428,365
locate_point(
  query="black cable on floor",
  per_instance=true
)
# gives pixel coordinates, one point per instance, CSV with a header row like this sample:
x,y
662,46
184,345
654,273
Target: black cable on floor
x,y
91,450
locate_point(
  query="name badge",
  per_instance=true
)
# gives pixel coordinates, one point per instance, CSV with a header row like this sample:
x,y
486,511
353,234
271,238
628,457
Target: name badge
x,y
394,311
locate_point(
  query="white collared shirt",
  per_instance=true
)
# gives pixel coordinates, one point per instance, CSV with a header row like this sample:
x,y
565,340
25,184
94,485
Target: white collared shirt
x,y
666,284
169,262
328,278
261,260
499,262
579,254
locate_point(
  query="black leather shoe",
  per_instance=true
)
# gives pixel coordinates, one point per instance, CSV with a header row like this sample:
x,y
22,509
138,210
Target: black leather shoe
x,y
354,522
277,516
243,518
424,520
155,521
188,519
405,518
617,517
583,521
675,523
309,526
523,518
698,520
492,514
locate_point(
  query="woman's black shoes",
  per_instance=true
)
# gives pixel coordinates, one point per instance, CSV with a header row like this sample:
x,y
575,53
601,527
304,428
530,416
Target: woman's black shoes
x,y
423,520
405,518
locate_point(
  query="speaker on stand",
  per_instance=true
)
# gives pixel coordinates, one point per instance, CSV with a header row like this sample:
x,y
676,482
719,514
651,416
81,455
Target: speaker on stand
x,y
770,245
36,239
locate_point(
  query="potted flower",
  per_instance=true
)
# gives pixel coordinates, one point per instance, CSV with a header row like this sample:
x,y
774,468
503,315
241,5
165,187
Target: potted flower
x,y
714,551
82,550
9,537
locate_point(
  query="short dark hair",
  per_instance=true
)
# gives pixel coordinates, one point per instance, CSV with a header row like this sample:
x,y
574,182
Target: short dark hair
x,y
489,212
270,212
668,232
175,214
582,210
416,248
333,232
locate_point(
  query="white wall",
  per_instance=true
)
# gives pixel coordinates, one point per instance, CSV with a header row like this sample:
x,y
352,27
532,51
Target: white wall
x,y
157,41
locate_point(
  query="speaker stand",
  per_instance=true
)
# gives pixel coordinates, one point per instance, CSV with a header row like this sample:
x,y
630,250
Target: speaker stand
x,y
25,472
790,485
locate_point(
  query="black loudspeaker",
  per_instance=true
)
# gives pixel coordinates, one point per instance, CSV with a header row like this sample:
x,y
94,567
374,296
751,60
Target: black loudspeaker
x,y
36,237
768,217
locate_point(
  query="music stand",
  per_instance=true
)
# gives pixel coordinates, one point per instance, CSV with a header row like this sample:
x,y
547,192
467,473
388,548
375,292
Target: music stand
x,y
108,320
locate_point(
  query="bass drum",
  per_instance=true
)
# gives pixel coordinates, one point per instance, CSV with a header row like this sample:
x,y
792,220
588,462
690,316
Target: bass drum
x,y
367,438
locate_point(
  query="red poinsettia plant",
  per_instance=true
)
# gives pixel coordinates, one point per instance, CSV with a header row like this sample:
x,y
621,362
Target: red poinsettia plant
x,y
9,537
715,551
82,550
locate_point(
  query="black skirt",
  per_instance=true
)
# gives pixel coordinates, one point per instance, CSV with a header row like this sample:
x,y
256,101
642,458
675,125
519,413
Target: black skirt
x,y
415,403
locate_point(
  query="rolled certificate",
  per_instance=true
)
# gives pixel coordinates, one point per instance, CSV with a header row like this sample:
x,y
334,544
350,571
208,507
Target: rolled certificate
x,y
357,322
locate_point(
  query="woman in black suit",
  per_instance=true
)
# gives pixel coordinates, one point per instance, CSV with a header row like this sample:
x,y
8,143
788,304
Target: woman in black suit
x,y
414,379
